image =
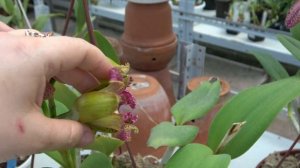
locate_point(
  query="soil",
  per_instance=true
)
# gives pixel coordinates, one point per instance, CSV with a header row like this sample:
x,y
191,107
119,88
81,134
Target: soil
x,y
123,161
272,160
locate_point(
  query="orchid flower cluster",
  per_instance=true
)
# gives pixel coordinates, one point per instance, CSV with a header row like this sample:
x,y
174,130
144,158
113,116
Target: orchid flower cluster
x,y
293,17
109,109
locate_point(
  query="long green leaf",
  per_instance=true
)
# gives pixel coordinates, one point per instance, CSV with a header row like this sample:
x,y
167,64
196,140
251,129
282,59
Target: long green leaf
x,y
42,20
79,15
197,156
104,45
65,94
257,107
98,160
106,145
291,44
167,134
271,65
55,155
197,103
5,19
8,6
295,31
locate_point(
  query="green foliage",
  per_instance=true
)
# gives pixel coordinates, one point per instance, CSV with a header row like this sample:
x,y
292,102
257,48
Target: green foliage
x,y
106,145
167,134
290,43
98,160
104,45
295,31
42,20
65,94
55,155
257,107
80,17
271,65
197,156
197,103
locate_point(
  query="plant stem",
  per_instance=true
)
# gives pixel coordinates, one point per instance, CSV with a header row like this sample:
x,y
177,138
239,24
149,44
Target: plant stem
x,y
289,151
52,107
32,161
89,22
291,115
69,14
45,109
167,155
131,155
77,158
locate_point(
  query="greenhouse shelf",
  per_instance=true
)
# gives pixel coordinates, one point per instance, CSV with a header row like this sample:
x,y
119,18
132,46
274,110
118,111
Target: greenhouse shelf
x,y
211,30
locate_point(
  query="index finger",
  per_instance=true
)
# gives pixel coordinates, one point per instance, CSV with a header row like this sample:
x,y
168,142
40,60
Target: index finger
x,y
61,54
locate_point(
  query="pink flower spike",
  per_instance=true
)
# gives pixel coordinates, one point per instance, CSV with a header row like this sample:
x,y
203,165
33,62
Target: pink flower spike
x,y
127,98
129,117
293,17
114,74
124,135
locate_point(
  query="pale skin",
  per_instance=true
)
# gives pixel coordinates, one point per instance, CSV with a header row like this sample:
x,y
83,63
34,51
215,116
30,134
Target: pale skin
x,y
26,64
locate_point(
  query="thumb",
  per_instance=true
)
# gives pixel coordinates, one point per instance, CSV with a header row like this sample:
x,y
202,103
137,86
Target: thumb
x,y
58,133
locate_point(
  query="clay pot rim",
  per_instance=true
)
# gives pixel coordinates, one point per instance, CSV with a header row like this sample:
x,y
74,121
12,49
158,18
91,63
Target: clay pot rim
x,y
150,48
293,152
224,84
147,1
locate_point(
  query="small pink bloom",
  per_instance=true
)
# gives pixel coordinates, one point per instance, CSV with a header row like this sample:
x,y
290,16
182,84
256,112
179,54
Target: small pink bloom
x,y
293,17
114,74
129,117
124,135
127,98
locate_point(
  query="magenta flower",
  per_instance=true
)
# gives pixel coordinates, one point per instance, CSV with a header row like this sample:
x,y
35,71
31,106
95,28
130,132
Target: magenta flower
x,y
129,117
127,98
125,133
115,74
293,17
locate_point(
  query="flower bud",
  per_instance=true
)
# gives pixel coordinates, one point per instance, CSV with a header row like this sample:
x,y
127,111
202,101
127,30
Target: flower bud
x,y
110,124
94,105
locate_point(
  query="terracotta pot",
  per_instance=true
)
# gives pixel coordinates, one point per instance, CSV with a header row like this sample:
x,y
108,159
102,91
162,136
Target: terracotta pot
x,y
282,153
148,40
152,108
164,78
195,82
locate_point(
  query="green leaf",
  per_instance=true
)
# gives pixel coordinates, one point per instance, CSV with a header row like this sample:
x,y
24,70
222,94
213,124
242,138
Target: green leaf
x,y
256,106
79,15
196,156
291,44
18,18
295,31
197,103
42,20
271,65
65,94
55,155
5,19
96,160
167,134
8,6
60,108
110,124
104,45
106,145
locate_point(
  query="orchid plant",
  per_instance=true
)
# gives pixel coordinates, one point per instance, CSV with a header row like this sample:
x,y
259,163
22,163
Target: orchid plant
x,y
239,123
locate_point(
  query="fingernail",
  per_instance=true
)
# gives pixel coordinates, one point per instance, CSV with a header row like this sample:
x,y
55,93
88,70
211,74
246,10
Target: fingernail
x,y
87,137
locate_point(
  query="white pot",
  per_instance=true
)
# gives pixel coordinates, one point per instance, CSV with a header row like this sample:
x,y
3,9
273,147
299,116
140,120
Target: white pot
x,y
148,1
26,164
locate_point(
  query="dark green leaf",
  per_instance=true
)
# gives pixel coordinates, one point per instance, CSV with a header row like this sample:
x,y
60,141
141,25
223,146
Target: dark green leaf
x,y
79,15
167,134
256,106
104,45
271,65
8,6
65,94
291,44
5,19
295,31
106,145
99,160
197,156
42,21
197,103
55,155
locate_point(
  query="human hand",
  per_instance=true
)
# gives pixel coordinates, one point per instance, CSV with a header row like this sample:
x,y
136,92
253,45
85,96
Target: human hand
x,y
26,64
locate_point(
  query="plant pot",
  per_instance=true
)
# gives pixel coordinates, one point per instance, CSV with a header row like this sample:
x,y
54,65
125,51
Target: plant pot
x,y
294,156
255,38
222,8
20,163
152,108
232,32
210,4
148,41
